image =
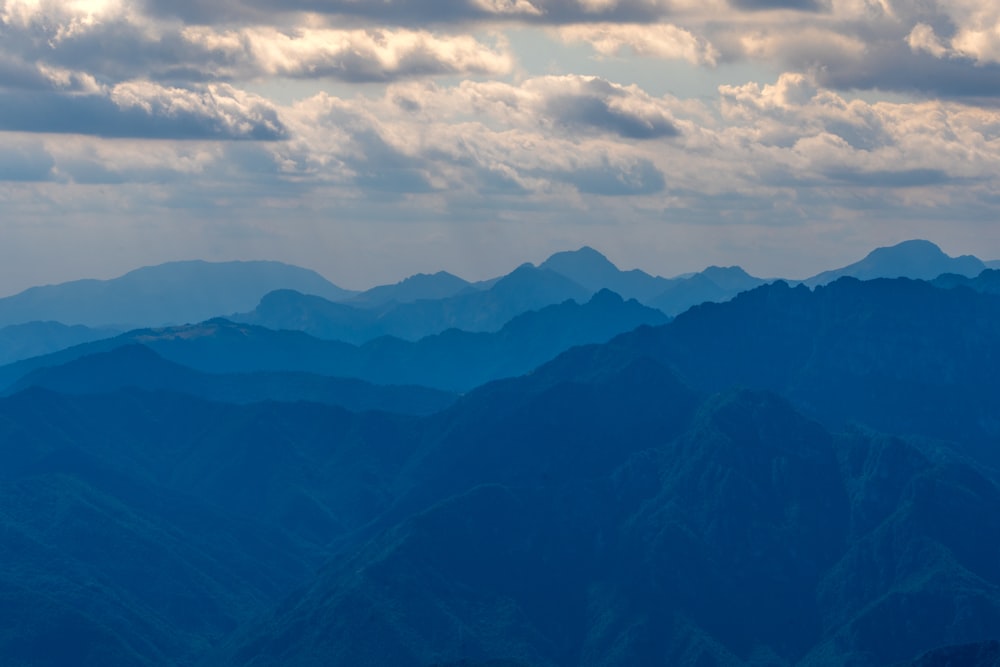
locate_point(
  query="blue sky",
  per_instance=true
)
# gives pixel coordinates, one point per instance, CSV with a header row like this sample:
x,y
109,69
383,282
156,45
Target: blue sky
x,y
372,140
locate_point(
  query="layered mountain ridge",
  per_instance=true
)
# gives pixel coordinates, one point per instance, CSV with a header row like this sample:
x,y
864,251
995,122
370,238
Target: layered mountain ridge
x,y
794,475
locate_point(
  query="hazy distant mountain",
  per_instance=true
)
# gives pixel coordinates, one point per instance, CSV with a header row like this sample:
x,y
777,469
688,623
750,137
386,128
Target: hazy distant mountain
x,y
172,293
453,361
909,259
138,366
22,341
440,285
713,284
993,264
594,271
526,288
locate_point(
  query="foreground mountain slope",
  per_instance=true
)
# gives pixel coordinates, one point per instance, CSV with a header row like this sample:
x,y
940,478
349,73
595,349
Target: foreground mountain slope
x,y
171,293
623,504
727,544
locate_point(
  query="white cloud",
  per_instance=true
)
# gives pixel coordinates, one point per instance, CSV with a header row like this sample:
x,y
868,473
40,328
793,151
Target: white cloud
x,y
922,38
352,55
658,41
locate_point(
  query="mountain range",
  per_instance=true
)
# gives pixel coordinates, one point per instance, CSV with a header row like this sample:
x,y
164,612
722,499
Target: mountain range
x,y
451,361
424,304
670,497
801,473
171,293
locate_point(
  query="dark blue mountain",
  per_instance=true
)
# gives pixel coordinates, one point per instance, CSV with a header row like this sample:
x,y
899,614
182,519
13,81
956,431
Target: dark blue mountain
x,y
730,488
988,281
138,366
171,293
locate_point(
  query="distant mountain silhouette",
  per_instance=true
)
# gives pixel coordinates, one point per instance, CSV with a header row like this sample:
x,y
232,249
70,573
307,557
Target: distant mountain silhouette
x,y
138,366
171,293
440,285
909,259
31,339
594,271
451,361
713,284
526,288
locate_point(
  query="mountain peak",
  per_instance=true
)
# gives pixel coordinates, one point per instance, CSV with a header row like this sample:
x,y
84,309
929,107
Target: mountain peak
x,y
585,262
916,258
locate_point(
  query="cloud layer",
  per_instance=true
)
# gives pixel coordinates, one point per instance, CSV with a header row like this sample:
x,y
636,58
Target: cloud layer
x,y
252,117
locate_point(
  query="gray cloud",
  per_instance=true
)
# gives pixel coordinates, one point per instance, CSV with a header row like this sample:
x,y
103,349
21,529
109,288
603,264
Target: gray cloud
x,y
640,178
590,111
148,112
887,178
25,163
801,5
423,12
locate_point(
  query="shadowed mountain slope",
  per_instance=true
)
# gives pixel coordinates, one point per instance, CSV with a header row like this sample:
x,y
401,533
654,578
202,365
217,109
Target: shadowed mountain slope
x,y
171,293
647,501
139,366
899,355
745,539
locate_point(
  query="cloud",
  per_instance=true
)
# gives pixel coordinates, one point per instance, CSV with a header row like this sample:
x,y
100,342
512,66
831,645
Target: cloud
x,y
143,109
348,55
657,40
595,104
118,44
24,161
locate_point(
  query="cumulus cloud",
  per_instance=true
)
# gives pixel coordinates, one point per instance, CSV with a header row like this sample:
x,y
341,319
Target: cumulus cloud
x,y
349,55
144,109
657,40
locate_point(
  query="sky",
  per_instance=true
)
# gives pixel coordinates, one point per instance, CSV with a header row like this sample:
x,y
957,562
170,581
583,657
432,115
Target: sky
x,y
373,139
